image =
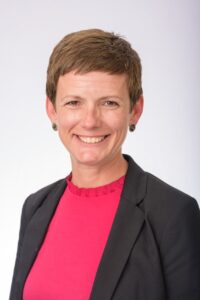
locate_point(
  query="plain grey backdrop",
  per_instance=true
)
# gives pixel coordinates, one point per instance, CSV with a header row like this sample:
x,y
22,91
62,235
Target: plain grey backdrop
x,y
166,141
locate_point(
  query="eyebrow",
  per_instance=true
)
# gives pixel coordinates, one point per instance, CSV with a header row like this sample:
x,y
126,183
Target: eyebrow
x,y
75,97
71,96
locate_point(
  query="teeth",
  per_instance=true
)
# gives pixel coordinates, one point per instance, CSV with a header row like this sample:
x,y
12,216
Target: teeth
x,y
91,140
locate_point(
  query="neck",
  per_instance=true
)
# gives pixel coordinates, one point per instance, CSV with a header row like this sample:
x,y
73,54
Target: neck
x,y
92,176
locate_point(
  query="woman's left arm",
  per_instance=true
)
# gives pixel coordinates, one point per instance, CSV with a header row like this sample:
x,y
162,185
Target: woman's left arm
x,y
180,248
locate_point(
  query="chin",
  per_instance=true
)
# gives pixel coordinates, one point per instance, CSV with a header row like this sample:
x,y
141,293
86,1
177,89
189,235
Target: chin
x,y
89,159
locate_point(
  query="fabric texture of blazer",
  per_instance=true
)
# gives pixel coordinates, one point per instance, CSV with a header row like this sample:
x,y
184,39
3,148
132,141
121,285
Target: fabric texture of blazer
x,y
153,249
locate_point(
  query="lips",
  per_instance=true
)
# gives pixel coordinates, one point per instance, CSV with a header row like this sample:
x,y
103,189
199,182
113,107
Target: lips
x,y
92,140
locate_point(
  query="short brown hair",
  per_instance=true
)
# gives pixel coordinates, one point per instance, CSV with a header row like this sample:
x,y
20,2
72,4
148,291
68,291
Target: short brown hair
x,y
94,50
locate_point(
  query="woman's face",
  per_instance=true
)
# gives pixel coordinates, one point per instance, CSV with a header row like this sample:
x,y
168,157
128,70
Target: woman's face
x,y
92,114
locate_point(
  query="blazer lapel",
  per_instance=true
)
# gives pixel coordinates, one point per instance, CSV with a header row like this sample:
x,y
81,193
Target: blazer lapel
x,y
125,229
37,227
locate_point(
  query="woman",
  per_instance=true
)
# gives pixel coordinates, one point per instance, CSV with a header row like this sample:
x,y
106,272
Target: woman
x,y
109,230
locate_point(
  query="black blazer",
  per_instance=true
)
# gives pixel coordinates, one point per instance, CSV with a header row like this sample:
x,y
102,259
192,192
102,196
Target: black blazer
x,y
153,250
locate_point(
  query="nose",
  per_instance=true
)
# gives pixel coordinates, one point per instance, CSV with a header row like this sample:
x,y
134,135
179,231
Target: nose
x,y
91,118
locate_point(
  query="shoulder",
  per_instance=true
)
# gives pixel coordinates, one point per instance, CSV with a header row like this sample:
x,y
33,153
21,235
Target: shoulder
x,y
164,206
154,192
36,199
161,192
160,196
170,212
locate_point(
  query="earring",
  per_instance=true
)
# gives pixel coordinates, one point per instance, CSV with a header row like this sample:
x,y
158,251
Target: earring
x,y
54,127
131,127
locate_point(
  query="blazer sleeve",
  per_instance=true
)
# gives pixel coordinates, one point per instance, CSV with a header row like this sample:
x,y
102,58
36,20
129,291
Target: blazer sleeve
x,y
23,225
180,248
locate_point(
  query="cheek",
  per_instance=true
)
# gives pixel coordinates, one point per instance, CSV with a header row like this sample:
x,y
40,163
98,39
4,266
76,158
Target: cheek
x,y
68,120
119,122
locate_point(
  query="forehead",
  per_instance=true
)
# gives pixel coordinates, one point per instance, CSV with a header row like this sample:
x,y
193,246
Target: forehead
x,y
93,81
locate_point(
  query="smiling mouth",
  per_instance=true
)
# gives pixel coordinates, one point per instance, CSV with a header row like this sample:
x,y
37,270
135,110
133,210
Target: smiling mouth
x,y
92,140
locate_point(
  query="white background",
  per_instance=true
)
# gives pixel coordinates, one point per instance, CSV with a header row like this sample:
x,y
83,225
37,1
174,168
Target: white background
x,y
166,142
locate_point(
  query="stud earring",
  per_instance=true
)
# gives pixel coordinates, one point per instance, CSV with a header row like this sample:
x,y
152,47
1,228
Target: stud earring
x,y
131,127
54,127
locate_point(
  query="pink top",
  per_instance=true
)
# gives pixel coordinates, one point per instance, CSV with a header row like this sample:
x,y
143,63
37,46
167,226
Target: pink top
x,y
68,259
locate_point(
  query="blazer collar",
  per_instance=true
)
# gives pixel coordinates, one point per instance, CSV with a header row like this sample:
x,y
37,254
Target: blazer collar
x,y
125,229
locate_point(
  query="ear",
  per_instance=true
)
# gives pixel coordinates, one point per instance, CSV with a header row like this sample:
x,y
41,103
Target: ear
x,y
137,111
51,111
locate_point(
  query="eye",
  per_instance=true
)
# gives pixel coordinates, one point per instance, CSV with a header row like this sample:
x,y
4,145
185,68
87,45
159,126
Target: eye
x,y
72,103
111,103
